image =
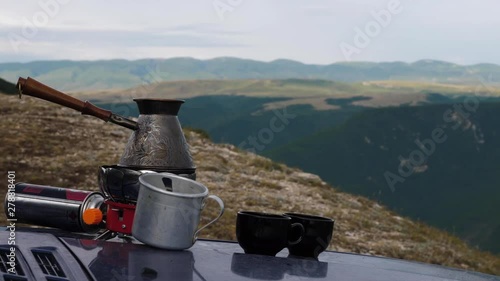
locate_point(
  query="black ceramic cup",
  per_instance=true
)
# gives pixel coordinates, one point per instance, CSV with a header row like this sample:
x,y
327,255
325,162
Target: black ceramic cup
x,y
266,234
316,238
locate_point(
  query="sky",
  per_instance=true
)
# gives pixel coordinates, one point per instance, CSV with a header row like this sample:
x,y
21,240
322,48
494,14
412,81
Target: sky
x,y
309,31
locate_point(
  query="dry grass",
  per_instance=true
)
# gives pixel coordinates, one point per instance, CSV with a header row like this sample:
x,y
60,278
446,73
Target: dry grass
x,y
298,91
47,144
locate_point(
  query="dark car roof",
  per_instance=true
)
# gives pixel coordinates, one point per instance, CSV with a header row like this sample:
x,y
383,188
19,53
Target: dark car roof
x,y
79,258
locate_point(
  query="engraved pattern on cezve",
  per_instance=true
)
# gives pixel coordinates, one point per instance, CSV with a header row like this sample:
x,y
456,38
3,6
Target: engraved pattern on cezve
x,y
159,142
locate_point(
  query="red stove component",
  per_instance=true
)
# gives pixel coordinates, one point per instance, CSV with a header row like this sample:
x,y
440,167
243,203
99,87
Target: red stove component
x,y
119,217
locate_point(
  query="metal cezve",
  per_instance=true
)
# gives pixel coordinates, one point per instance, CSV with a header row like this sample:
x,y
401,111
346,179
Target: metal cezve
x,y
157,142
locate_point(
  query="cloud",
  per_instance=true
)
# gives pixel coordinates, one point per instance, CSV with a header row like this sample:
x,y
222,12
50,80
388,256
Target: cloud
x,y
123,38
265,30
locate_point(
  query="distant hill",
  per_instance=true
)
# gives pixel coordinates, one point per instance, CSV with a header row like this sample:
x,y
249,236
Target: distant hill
x,y
7,88
121,74
454,186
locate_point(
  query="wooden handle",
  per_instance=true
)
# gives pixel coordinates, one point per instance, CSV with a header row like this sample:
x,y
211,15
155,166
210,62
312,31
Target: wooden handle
x,y
33,88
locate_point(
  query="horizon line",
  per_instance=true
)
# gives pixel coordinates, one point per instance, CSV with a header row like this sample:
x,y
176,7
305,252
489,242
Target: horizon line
x,y
249,59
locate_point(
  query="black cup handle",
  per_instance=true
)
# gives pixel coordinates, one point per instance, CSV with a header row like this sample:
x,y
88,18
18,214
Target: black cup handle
x,y
302,230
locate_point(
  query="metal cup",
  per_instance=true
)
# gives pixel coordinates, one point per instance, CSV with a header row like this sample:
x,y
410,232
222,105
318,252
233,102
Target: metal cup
x,y
168,211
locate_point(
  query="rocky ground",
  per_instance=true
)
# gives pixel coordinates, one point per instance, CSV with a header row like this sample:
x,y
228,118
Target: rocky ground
x,y
51,145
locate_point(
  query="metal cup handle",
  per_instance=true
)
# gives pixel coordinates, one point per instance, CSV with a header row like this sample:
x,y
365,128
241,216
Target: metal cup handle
x,y
221,205
302,230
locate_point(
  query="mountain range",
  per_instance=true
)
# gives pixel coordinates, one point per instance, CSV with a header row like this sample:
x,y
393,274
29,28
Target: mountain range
x,y
120,74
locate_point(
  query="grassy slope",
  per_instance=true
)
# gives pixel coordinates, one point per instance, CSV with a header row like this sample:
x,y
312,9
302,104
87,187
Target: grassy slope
x,y
291,88
297,91
46,144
